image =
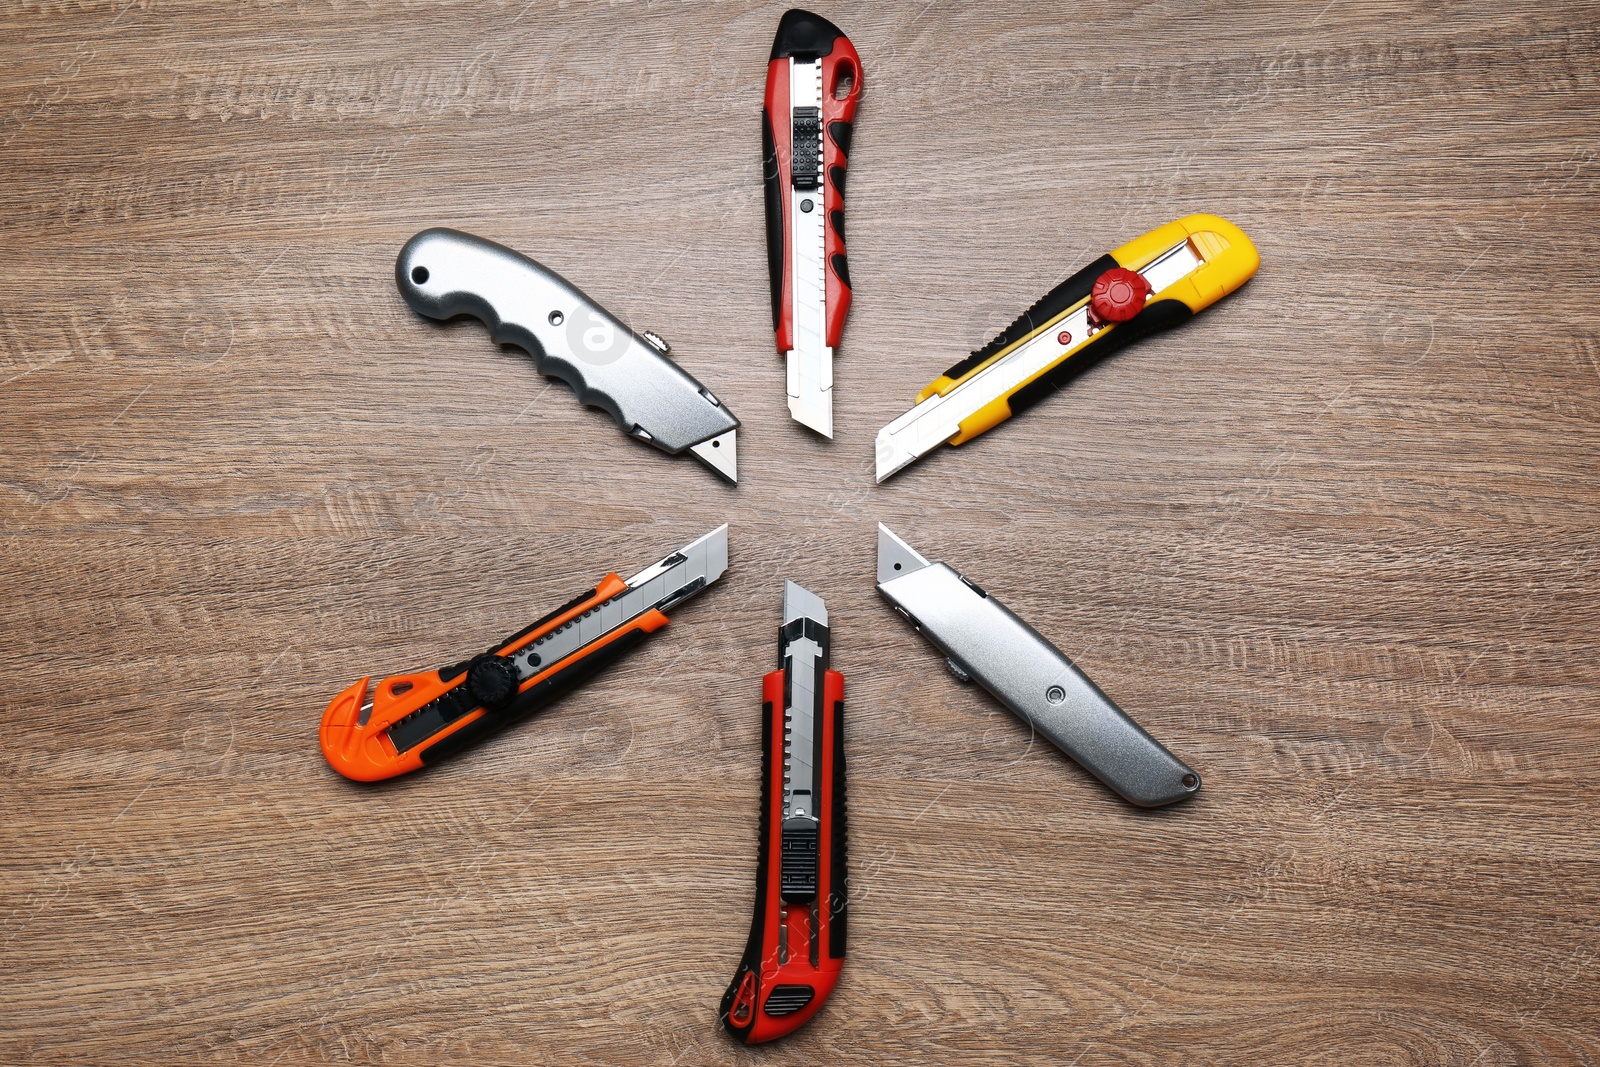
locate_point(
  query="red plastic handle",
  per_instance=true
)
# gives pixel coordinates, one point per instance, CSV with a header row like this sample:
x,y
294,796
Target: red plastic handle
x,y
841,94
795,952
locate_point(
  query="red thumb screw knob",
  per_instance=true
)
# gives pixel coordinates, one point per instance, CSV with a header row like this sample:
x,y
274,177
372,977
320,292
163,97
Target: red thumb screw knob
x,y
1118,295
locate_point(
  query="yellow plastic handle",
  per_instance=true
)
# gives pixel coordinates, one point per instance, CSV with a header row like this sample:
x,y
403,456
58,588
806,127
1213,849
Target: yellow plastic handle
x,y
1230,258
1227,257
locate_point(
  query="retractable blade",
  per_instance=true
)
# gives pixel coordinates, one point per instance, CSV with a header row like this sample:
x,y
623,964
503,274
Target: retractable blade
x,y
796,947
803,651
408,721
1147,285
814,85
985,643
444,273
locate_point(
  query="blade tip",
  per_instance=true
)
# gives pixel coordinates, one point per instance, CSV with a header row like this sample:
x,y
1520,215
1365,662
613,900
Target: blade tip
x,y
714,544
721,454
891,459
896,558
800,602
816,419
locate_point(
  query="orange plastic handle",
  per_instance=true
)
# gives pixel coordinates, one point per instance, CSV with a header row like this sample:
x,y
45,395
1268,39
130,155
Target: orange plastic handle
x,y
355,739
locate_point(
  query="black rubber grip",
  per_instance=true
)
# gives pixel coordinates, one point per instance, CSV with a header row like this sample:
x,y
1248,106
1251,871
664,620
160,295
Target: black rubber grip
x,y
432,717
1160,315
1046,308
751,961
838,876
802,35
774,190
839,261
841,132
538,696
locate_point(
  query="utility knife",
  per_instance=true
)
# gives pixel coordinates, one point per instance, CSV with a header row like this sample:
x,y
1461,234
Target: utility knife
x,y
444,273
813,89
797,938
1147,285
413,720
985,643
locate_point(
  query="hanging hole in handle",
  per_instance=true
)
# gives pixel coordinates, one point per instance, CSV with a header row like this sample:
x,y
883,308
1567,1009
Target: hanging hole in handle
x,y
744,1001
419,274
1190,781
399,689
844,80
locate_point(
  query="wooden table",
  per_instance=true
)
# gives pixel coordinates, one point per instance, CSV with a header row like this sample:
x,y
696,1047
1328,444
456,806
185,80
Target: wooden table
x,y
1335,542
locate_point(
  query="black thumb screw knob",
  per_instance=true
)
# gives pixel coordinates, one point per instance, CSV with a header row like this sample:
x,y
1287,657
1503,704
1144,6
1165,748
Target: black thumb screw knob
x,y
492,680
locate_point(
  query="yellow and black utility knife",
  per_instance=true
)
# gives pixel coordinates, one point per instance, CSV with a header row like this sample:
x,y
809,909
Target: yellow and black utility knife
x,y
1149,284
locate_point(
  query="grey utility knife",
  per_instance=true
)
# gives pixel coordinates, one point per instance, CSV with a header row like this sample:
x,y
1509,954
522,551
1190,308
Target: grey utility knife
x,y
985,643
444,273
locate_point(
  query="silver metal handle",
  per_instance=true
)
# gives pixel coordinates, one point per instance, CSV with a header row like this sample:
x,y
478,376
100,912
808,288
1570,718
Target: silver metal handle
x,y
444,273
1031,677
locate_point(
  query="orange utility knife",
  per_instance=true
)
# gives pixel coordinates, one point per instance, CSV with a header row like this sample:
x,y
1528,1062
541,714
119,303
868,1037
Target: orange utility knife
x,y
412,720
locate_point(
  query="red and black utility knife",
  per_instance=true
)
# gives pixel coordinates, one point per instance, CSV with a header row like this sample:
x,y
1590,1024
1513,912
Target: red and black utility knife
x,y
813,87
796,946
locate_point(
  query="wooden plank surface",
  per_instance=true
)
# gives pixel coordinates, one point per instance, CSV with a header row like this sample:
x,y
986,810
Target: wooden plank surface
x,y
1335,542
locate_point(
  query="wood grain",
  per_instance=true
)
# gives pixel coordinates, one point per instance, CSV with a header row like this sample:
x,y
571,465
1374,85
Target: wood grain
x,y
1335,542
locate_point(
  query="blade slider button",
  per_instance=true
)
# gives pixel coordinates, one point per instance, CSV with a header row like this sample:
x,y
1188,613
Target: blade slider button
x,y
1118,295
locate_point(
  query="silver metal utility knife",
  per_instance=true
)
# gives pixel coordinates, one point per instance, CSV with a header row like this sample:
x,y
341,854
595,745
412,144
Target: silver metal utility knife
x,y
444,273
985,643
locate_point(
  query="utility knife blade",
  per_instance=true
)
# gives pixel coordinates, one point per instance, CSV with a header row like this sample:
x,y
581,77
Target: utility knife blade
x,y
985,643
444,273
412,720
814,84
1149,284
796,946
